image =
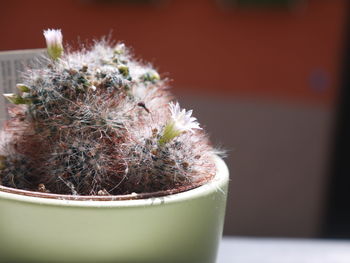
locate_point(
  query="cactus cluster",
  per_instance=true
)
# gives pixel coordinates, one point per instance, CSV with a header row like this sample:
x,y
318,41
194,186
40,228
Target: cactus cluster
x,y
99,122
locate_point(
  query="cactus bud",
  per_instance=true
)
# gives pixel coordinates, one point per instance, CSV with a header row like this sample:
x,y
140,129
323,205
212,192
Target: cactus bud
x,y
151,76
124,70
54,45
14,98
23,87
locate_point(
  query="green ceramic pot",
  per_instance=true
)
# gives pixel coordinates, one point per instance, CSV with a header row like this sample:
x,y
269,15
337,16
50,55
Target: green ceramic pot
x,y
183,227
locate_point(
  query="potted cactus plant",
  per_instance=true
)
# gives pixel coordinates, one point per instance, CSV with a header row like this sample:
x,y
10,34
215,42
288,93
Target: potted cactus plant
x,y
99,164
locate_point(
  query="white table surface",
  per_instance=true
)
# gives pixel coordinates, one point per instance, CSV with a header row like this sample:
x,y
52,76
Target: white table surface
x,y
279,250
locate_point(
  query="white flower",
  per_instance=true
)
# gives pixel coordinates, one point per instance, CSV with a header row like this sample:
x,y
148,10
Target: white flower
x,y
54,45
181,121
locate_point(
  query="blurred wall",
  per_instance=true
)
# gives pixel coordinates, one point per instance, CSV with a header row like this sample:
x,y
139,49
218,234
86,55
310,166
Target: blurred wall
x,y
264,82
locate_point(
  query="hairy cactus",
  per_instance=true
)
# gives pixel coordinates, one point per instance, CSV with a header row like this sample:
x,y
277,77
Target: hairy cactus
x,y
99,122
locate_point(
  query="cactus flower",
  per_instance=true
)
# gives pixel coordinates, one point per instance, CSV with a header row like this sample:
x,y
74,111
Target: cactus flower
x,y
54,45
181,121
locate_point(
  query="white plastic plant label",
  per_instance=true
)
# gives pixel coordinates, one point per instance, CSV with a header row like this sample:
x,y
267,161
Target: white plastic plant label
x,y
11,64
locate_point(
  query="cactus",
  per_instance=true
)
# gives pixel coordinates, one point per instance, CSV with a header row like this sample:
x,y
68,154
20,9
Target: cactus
x,y
99,122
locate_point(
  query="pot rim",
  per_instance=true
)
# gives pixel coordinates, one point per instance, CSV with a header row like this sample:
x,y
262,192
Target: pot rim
x,y
214,185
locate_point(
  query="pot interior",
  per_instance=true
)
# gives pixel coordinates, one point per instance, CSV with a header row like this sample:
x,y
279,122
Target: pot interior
x,y
132,196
